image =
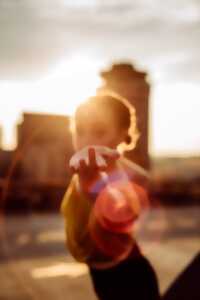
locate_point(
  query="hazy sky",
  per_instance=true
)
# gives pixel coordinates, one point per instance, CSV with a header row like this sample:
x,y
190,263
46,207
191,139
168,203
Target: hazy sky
x,y
49,47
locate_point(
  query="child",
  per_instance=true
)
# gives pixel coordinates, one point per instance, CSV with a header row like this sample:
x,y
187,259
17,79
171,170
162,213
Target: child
x,y
98,231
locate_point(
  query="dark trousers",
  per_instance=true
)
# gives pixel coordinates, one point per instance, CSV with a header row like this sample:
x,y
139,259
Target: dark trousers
x,y
132,279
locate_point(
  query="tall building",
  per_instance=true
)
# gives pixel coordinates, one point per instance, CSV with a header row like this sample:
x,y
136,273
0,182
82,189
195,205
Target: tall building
x,y
132,84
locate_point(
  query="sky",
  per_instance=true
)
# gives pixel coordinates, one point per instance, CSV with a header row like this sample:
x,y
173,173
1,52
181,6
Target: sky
x,y
52,50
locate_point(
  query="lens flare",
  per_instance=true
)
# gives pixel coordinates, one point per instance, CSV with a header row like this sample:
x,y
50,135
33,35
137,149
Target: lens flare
x,y
113,218
117,246
117,207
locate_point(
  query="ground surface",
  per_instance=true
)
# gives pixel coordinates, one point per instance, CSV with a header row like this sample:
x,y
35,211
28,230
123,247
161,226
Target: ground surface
x,y
34,263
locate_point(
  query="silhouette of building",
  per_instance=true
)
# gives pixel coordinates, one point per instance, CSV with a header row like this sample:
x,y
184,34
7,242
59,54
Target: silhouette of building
x,y
45,145
5,162
35,175
132,84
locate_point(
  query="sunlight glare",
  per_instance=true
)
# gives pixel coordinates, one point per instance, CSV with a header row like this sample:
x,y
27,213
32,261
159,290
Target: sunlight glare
x,y
51,236
71,269
72,81
175,119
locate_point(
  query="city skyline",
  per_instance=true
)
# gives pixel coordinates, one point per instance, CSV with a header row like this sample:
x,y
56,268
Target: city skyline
x,y
177,148
66,40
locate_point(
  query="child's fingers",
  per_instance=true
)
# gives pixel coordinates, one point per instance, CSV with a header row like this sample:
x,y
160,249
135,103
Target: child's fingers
x,y
92,158
82,166
72,170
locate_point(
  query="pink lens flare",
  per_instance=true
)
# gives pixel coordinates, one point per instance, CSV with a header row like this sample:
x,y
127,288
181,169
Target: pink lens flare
x,y
118,206
113,217
117,246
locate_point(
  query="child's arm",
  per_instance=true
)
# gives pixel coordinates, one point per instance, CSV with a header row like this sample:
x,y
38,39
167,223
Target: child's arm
x,y
68,194
116,240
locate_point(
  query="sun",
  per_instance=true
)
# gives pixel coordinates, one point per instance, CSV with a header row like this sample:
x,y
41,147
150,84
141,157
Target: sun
x,y
59,92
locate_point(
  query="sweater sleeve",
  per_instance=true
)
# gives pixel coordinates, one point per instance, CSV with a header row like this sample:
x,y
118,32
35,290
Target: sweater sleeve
x,y
68,194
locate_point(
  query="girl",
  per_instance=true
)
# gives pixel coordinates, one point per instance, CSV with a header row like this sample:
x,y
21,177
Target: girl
x,y
99,229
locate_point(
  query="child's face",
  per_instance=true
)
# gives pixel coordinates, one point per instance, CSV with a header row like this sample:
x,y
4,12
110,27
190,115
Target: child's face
x,y
97,127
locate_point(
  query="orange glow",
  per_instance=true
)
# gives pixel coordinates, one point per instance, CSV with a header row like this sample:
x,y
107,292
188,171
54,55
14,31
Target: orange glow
x,y
174,108
59,92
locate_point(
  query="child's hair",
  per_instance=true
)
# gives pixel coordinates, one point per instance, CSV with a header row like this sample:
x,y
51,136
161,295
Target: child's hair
x,y
123,111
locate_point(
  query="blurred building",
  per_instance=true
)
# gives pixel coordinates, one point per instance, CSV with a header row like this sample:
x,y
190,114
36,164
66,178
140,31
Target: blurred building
x,y
176,180
44,147
5,162
132,84
35,175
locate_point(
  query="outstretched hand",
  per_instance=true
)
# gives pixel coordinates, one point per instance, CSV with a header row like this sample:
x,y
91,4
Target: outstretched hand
x,y
92,166
90,162
93,158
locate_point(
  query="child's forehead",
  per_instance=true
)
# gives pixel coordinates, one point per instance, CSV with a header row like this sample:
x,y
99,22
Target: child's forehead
x,y
94,115
93,122
90,109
